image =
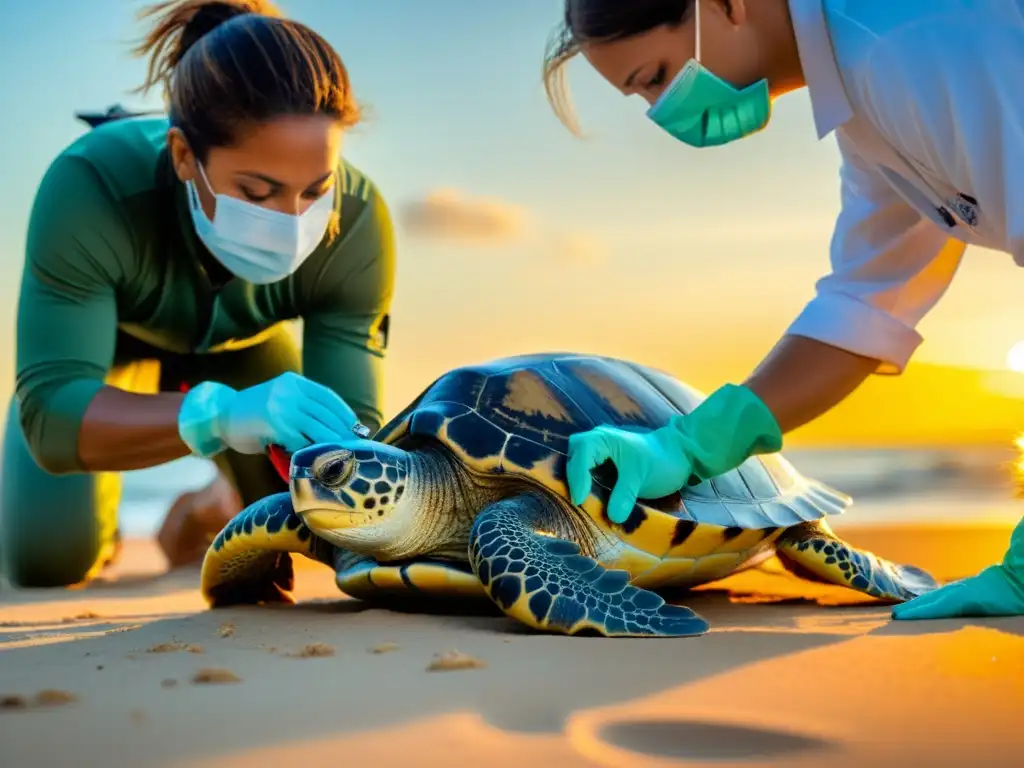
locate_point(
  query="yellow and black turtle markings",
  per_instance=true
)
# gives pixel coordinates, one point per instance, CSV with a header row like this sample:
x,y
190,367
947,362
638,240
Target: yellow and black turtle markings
x,y
547,584
694,554
249,560
616,397
369,580
816,551
529,395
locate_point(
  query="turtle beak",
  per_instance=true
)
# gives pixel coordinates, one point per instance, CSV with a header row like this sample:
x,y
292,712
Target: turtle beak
x,y
317,508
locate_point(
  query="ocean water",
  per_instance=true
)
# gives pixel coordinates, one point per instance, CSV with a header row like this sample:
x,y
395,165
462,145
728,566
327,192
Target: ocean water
x,y
887,485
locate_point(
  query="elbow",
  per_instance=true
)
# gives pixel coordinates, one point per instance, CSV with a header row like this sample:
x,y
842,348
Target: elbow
x,y
854,325
52,464
52,445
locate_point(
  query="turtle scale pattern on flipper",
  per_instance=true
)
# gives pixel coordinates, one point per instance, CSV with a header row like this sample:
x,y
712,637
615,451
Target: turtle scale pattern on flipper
x,y
546,583
820,554
249,560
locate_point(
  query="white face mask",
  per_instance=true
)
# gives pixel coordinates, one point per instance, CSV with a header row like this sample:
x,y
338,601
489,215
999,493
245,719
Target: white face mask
x,y
257,244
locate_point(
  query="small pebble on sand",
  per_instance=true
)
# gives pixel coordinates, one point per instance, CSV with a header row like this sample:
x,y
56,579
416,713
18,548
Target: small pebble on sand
x,y
127,628
313,650
450,661
138,716
227,629
210,676
174,647
384,648
170,682
52,697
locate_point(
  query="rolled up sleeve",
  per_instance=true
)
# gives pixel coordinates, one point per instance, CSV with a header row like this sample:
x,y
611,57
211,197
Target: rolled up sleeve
x,y
889,267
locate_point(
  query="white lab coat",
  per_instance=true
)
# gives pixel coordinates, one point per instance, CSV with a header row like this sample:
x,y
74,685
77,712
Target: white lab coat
x,y
926,98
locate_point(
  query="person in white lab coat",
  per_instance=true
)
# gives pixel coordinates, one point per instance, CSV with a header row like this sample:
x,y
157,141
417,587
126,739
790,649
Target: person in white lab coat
x,y
926,100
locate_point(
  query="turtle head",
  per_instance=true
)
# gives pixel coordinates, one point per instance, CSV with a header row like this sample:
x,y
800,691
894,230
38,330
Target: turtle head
x,y
349,493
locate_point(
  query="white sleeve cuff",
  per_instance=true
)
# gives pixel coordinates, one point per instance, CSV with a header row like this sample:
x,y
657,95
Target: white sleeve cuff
x,y
843,321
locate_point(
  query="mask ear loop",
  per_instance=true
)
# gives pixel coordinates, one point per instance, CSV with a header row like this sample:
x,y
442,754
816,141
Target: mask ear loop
x,y
206,181
696,28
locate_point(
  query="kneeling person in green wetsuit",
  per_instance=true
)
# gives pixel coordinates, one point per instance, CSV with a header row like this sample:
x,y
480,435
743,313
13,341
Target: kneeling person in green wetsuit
x,y
186,244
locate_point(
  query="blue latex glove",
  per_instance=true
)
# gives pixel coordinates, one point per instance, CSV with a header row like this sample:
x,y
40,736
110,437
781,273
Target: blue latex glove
x,y
720,434
996,591
290,411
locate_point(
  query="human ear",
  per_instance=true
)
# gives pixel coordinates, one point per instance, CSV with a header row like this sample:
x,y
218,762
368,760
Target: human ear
x,y
182,159
734,10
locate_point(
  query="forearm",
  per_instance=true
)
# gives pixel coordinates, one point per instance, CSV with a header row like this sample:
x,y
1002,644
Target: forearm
x,y
801,379
123,431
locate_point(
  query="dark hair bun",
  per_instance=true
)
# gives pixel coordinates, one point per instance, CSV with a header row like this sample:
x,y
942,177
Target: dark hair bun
x,y
207,18
207,15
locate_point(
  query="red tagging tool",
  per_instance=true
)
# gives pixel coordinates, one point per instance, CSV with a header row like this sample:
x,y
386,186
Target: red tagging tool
x,y
281,460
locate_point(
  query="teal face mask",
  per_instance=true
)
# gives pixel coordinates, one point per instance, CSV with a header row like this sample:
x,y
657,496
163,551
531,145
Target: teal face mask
x,y
702,110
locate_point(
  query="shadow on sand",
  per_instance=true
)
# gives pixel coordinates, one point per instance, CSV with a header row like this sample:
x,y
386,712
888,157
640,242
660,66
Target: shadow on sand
x,y
531,682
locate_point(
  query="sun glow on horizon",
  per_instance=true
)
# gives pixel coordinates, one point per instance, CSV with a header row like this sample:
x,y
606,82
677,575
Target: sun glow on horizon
x,y
1015,358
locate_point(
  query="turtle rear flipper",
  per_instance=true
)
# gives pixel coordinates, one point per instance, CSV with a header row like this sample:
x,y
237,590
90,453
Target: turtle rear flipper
x,y
814,551
547,584
250,562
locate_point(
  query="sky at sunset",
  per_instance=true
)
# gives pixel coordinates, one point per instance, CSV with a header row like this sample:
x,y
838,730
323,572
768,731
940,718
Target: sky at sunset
x,y
516,236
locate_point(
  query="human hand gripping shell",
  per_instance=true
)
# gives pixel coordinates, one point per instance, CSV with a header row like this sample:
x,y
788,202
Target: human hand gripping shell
x,y
649,464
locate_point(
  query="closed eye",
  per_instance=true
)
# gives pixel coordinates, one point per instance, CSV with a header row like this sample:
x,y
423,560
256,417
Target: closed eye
x,y
318,192
658,79
253,197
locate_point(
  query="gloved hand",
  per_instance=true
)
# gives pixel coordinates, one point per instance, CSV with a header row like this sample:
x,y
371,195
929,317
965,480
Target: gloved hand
x,y
290,411
996,591
722,432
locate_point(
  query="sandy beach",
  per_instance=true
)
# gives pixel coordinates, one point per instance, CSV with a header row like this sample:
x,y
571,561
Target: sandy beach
x,y
133,670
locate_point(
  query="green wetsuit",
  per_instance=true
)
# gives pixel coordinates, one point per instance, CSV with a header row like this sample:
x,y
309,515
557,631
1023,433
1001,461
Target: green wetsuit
x,y
117,289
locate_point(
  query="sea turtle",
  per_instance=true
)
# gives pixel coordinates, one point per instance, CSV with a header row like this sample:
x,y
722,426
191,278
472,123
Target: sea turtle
x,y
464,493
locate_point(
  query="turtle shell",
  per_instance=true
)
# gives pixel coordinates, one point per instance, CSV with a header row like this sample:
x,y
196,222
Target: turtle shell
x,y
515,416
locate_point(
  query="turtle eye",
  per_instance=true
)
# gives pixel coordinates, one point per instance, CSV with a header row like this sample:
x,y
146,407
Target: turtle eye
x,y
333,469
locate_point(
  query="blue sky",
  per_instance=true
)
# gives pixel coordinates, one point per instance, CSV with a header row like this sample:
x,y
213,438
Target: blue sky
x,y
633,244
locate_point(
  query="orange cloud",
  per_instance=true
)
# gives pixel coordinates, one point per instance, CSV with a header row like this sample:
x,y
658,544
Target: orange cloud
x,y
448,214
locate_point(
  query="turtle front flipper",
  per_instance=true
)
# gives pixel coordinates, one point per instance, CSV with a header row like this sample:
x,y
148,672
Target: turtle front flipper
x,y
249,561
813,550
547,584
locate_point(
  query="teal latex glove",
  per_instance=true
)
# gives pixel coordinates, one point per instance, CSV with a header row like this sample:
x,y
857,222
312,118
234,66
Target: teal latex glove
x,y
290,411
996,591
720,434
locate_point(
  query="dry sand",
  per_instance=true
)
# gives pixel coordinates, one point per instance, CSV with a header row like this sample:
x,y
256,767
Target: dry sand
x,y
133,671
